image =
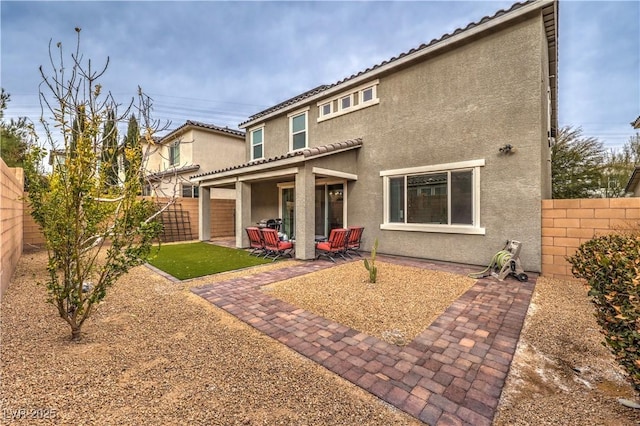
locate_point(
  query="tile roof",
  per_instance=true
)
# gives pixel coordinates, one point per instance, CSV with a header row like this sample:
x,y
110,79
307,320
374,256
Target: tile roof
x,y
423,46
636,123
634,180
207,126
172,171
306,153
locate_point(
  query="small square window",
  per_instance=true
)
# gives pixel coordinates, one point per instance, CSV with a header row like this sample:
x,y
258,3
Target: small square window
x,y
345,102
325,109
367,94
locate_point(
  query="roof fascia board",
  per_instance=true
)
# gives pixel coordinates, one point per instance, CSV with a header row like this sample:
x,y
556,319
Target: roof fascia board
x,y
190,126
217,182
333,173
361,79
269,174
251,169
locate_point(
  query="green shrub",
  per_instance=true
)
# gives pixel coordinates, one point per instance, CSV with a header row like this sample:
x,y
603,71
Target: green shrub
x,y
611,266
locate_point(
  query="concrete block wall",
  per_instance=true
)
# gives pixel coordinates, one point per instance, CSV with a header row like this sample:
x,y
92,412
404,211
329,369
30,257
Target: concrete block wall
x,y
32,233
11,221
568,223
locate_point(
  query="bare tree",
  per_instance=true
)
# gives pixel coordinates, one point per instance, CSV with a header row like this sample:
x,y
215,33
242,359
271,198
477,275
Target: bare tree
x,y
94,233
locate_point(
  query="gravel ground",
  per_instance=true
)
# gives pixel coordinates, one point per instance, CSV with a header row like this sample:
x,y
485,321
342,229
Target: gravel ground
x,y
561,373
154,353
398,307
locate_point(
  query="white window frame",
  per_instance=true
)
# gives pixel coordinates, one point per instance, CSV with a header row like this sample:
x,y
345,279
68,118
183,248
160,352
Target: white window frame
x,y
474,229
174,160
293,115
342,107
195,193
251,145
355,94
321,110
374,95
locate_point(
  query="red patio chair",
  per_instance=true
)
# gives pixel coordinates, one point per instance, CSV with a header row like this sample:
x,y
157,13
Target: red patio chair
x,y
336,245
256,242
355,240
274,247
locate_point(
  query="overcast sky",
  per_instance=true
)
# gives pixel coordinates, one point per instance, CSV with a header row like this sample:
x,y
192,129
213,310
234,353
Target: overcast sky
x,y
220,62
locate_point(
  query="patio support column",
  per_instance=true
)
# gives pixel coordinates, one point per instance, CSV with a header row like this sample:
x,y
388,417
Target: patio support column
x,y
204,214
305,213
243,213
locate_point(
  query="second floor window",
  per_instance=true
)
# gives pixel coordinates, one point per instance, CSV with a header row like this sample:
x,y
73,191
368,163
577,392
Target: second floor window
x,y
174,154
257,143
298,125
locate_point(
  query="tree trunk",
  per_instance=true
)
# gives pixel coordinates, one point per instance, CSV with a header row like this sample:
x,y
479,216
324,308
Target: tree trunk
x,y
76,333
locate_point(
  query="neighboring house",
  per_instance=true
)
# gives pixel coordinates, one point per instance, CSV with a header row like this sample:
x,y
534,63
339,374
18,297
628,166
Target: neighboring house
x,y
184,151
442,152
57,157
633,186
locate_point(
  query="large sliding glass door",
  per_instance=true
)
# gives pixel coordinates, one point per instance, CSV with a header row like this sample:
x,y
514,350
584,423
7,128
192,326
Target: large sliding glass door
x,y
335,207
329,208
287,211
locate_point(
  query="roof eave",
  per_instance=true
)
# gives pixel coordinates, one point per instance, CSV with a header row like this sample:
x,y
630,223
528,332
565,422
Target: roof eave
x,y
414,56
633,180
189,125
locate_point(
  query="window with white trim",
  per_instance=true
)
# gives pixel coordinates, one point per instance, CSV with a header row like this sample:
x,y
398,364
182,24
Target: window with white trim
x,y
345,102
326,109
442,198
367,95
174,153
298,131
349,101
190,191
257,143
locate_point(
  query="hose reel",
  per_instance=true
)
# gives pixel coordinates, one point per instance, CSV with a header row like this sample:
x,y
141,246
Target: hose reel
x,y
504,263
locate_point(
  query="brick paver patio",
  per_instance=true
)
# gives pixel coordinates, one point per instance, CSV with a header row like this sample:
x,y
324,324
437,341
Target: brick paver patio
x,y
451,374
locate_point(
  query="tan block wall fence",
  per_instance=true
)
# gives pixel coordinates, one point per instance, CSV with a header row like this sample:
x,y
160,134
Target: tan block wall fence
x,y
222,221
222,216
568,223
11,225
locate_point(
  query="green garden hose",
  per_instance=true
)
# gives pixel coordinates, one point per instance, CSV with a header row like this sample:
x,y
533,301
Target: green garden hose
x,y
499,260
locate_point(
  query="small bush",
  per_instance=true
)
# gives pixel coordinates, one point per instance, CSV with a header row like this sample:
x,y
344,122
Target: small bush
x,y
611,266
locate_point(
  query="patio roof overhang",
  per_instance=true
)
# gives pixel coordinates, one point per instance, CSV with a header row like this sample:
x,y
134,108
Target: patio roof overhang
x,y
279,167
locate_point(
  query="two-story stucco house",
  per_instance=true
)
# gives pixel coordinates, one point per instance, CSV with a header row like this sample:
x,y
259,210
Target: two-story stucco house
x,y
442,152
189,148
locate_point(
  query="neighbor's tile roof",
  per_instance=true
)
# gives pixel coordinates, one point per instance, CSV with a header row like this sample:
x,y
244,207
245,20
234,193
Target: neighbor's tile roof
x,y
633,180
306,153
423,46
192,123
173,171
636,123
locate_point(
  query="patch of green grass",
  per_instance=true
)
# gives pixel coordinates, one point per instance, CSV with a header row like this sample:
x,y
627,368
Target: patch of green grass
x,y
192,260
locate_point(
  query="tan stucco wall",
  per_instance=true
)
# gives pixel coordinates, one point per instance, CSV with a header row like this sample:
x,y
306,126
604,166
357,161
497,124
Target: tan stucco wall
x,y
211,150
460,105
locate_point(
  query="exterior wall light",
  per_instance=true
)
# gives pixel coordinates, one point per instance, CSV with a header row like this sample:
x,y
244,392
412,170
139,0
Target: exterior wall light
x,y
507,149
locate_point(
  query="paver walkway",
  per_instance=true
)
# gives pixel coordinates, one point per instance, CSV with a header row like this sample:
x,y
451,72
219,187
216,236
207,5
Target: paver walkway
x,y
451,374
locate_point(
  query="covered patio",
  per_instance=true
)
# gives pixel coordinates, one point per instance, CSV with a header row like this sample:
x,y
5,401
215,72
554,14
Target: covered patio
x,y
307,189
